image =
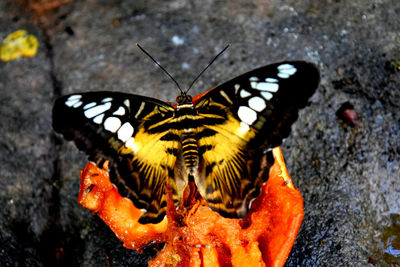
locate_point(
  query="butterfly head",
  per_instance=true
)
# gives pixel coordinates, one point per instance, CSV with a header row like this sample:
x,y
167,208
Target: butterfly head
x,y
184,99
184,105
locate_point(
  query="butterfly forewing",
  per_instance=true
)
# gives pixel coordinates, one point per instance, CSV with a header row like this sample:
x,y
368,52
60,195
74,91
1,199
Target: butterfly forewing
x,y
116,126
268,98
259,108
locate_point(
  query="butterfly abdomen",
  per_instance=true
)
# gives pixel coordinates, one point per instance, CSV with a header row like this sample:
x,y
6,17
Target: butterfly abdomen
x,y
190,152
186,122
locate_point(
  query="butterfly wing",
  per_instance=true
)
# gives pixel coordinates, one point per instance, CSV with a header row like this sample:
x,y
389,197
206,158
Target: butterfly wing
x,y
117,127
258,108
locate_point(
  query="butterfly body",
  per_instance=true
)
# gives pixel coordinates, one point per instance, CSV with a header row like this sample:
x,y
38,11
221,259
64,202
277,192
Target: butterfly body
x,y
219,140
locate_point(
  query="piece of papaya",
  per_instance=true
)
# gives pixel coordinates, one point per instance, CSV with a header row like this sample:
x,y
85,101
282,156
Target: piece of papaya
x,y
199,236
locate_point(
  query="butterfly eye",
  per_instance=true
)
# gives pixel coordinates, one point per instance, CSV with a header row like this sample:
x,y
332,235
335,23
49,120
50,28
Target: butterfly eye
x,y
179,99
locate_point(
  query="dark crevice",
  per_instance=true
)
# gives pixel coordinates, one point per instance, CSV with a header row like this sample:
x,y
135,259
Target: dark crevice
x,y
54,201
57,245
56,183
57,84
55,180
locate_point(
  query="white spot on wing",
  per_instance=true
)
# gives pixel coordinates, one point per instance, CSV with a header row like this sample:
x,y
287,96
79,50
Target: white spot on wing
x,y
72,100
73,97
70,103
271,80
77,104
272,87
286,66
125,132
237,86
99,119
253,79
289,71
112,124
92,112
267,95
127,103
90,105
243,127
257,103
286,70
119,111
283,75
130,143
247,115
107,99
244,93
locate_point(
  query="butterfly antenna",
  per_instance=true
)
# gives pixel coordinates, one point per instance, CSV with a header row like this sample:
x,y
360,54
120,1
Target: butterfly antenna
x,y
209,64
161,67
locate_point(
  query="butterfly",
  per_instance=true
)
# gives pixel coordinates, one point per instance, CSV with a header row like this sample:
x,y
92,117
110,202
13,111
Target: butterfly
x,y
220,140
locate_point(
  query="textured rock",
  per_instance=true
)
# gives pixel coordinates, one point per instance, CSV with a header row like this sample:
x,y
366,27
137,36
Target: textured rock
x,y
348,175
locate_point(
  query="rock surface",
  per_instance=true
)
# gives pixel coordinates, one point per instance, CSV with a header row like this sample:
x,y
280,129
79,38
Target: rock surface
x,y
348,175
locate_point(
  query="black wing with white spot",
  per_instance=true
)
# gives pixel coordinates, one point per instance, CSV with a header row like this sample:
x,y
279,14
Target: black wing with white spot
x,y
268,98
259,108
117,127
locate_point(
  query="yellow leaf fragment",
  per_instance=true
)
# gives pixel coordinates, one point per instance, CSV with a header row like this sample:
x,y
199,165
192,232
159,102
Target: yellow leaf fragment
x,y
18,44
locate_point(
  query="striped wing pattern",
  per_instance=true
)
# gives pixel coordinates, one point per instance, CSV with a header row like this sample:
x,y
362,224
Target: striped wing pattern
x,y
221,141
258,108
116,126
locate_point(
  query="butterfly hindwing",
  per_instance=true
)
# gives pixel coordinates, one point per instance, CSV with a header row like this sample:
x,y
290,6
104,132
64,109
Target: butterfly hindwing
x,y
116,126
259,108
